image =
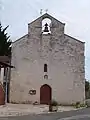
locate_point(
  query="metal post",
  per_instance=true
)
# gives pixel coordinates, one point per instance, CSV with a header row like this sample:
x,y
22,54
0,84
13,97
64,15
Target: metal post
x,y
6,78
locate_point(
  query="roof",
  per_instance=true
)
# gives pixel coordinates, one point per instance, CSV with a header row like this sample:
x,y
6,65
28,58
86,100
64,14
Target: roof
x,y
20,38
46,15
74,38
4,59
4,62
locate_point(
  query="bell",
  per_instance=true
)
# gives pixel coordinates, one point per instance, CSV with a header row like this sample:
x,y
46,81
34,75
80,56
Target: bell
x,y
46,28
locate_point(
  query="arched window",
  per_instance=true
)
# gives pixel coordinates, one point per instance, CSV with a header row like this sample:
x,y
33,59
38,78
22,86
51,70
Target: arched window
x,y
45,67
46,23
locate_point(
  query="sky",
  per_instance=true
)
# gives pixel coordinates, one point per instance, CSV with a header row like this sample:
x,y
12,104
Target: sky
x,y
74,13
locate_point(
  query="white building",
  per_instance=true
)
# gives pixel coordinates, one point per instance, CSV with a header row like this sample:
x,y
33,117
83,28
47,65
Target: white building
x,y
49,65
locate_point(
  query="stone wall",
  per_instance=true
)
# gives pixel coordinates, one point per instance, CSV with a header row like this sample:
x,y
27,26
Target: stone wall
x,y
64,57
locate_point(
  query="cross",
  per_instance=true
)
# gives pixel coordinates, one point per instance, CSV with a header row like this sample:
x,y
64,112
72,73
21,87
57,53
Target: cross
x,y
46,10
40,11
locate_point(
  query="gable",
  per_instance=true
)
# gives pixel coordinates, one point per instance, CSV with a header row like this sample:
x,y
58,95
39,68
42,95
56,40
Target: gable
x,y
35,27
57,28
46,16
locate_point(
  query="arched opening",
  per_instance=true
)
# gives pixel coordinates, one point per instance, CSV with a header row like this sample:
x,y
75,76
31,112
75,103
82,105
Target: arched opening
x,y
45,94
46,23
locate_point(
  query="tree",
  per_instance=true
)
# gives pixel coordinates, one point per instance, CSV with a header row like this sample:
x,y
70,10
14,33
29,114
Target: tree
x,y
86,86
5,42
87,89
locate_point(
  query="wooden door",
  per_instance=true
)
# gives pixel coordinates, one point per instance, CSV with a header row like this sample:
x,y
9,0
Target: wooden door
x,y
45,94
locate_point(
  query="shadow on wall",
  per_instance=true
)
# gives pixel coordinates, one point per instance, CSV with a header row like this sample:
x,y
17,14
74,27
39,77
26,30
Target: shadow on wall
x,y
87,94
2,95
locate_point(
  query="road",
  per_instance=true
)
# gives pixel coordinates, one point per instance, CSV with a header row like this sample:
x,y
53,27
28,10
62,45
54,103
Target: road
x,y
83,114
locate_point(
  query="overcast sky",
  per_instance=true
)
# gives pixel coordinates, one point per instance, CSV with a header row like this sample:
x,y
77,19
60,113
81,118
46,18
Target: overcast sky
x,y
75,13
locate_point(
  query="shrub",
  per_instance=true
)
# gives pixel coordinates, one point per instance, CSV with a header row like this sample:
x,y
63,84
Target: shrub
x,y
77,105
54,103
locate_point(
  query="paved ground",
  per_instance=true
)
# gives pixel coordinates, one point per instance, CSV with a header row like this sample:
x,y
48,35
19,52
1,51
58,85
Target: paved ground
x,y
25,109
83,114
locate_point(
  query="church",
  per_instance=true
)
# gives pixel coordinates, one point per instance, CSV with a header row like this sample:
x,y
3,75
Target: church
x,y
48,65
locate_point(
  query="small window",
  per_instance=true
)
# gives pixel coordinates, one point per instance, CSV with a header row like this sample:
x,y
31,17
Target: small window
x,y
45,67
45,76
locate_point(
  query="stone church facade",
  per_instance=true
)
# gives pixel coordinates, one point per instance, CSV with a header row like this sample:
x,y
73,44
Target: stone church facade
x,y
49,65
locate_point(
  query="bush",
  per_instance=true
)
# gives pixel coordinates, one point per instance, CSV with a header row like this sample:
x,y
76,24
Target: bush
x,y
53,106
87,102
54,103
82,105
77,104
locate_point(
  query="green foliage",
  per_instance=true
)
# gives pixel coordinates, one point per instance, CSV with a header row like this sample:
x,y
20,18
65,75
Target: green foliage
x,y
78,105
86,86
82,105
53,106
54,103
5,42
87,102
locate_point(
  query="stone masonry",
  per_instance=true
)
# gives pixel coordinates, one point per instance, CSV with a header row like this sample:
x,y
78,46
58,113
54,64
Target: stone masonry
x,y
64,56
